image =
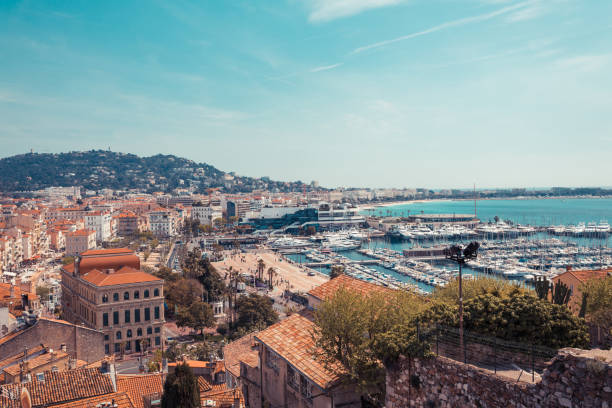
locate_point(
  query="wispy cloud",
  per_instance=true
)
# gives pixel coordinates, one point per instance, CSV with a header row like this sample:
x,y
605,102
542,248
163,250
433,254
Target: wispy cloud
x,y
443,26
327,10
326,67
585,63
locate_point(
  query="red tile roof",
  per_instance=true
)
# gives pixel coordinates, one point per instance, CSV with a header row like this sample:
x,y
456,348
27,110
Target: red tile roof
x,y
59,387
330,287
123,276
240,350
81,232
110,251
105,259
37,361
584,276
120,398
292,340
138,386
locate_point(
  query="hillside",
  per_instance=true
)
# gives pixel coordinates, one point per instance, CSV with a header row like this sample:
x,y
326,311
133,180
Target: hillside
x,y
98,169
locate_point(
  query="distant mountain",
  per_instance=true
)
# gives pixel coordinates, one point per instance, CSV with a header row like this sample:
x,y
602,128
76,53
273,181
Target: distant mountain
x,y
99,169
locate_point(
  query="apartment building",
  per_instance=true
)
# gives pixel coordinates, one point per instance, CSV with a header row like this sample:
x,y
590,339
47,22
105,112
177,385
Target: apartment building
x,y
162,223
106,290
100,222
206,214
80,241
129,224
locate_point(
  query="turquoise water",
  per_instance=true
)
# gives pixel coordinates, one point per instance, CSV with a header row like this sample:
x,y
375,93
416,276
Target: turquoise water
x,y
532,211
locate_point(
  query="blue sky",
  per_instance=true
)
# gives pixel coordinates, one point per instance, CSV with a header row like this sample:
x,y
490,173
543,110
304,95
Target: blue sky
x,y
377,93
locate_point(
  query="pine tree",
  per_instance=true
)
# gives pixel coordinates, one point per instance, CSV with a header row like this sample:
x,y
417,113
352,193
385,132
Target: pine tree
x,y
181,389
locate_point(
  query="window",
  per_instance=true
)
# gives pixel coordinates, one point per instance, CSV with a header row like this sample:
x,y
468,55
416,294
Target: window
x,y
106,337
118,335
157,330
115,297
146,293
156,312
129,333
306,387
106,349
117,348
115,317
126,296
156,292
136,315
105,319
127,316
157,341
136,294
147,315
272,360
139,332
149,330
128,345
104,298
292,378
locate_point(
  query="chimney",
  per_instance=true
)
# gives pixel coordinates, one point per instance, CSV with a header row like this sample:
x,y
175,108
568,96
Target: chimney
x,y
568,268
63,347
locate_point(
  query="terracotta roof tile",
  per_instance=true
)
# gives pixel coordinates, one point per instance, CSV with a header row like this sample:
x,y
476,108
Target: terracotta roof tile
x,y
138,386
292,340
121,399
240,350
330,287
37,361
223,397
59,387
584,276
123,276
19,356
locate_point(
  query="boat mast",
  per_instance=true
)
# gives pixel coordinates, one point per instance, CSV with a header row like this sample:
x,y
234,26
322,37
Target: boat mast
x,y
475,214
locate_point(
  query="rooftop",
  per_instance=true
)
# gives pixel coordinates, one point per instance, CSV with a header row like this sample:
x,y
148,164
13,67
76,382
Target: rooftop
x,y
123,276
138,386
240,350
330,287
292,340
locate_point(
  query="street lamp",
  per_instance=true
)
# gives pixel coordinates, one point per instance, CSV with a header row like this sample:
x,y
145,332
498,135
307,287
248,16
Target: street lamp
x,y
460,255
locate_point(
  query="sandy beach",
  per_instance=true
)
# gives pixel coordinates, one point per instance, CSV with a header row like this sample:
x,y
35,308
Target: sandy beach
x,y
288,275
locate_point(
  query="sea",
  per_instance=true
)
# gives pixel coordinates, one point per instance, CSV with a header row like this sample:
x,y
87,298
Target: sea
x,y
566,211
553,211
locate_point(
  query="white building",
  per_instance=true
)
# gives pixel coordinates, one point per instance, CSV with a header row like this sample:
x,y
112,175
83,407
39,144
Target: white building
x,y
100,222
162,223
206,214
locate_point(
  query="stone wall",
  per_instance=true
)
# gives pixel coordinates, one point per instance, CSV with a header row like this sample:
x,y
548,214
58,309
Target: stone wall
x,y
574,378
81,342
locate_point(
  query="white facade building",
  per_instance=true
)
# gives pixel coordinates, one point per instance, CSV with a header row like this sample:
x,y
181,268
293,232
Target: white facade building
x,y
206,214
162,223
100,222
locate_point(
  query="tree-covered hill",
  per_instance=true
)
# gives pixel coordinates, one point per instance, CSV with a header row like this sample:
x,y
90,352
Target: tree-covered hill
x,y
99,169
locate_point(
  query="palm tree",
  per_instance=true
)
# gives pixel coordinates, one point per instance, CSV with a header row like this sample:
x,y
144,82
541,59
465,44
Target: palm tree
x,y
271,273
261,266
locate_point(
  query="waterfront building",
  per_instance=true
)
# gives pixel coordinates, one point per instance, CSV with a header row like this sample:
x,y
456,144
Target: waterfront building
x,y
238,208
80,241
435,220
107,291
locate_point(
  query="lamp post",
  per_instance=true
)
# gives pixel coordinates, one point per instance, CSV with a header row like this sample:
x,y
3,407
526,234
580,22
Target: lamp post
x,y
460,255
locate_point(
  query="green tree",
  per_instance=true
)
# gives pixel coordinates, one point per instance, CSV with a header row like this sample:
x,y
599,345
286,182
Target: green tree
x,y
560,293
197,316
599,305
336,270
181,388
356,335
254,312
43,292
474,287
67,260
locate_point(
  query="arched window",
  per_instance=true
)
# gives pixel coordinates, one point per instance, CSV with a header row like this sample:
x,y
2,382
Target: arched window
x,y
149,330
156,292
118,335
129,333
105,298
146,293
136,294
139,332
126,296
115,297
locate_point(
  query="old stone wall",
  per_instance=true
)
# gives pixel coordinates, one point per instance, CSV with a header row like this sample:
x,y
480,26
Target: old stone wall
x,y
574,378
81,342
